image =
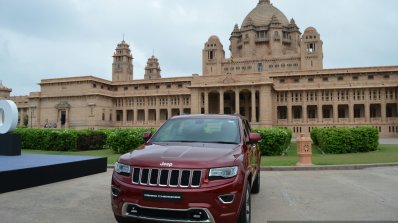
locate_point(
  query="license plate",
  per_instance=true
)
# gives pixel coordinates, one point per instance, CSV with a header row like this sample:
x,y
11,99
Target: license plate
x,y
162,196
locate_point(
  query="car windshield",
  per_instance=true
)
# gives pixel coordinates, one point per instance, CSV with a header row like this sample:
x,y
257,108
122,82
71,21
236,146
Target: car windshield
x,y
207,130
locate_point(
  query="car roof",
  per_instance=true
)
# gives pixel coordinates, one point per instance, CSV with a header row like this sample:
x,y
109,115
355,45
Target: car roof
x,y
199,116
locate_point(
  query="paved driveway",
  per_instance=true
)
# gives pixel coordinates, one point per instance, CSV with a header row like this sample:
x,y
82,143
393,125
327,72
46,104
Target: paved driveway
x,y
370,194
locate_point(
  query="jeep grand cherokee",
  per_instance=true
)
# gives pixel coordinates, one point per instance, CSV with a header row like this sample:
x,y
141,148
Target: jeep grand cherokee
x,y
195,168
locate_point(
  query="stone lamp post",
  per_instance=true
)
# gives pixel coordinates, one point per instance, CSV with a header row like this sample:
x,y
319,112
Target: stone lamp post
x,y
304,150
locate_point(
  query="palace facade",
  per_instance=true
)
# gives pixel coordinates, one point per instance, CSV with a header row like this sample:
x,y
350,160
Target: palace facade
x,y
274,77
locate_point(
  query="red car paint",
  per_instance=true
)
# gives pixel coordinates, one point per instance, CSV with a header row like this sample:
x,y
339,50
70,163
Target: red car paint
x,y
150,192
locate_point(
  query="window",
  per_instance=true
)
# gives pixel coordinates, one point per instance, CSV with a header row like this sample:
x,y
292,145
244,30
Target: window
x,y
340,78
94,86
355,78
282,81
260,67
179,85
126,88
146,87
168,85
296,80
157,86
310,79
135,87
211,55
386,76
370,77
325,79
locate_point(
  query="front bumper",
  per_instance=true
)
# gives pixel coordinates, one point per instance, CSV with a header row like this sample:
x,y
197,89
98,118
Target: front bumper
x,y
203,202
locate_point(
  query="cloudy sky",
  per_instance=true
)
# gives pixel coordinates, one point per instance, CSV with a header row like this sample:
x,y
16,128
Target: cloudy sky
x,y
62,38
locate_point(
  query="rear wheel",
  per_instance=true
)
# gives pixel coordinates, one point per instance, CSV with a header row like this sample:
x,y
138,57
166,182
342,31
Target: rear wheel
x,y
245,211
256,183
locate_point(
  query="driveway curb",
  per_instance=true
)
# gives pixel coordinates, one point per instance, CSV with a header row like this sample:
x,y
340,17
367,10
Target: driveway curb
x,y
327,167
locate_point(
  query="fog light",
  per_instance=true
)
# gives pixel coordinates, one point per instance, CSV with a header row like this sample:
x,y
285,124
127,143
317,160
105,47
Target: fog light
x,y
115,191
134,210
198,215
226,198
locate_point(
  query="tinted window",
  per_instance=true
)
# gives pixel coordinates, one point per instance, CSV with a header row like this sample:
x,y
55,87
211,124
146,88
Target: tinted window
x,y
210,130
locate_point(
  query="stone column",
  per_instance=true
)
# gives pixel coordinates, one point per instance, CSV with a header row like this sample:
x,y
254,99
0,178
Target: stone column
x,y
146,114
351,105
237,101
181,104
157,115
221,92
135,116
335,107
367,106
319,109
383,105
206,93
253,98
289,107
265,106
124,117
195,101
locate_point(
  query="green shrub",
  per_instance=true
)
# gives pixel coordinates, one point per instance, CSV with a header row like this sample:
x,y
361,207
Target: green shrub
x,y
90,140
346,140
61,139
274,140
125,140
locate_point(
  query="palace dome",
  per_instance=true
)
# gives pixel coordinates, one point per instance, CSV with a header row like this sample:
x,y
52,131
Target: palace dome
x,y
262,15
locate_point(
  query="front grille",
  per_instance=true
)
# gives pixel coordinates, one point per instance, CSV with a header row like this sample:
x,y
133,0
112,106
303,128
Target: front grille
x,y
167,177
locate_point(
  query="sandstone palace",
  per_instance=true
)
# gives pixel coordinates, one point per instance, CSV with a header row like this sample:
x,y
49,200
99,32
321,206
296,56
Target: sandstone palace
x,y
274,77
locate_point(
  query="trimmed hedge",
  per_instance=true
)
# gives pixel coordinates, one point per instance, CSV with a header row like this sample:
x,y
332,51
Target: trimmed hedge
x,y
274,140
346,140
125,140
119,140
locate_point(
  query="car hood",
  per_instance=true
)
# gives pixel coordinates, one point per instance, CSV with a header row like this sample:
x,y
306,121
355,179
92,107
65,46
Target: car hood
x,y
183,155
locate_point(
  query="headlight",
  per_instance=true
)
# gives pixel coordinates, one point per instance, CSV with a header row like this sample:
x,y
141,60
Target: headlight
x,y
223,173
122,168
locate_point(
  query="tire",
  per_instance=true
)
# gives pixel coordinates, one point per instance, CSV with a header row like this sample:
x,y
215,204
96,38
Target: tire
x,y
257,183
245,210
120,219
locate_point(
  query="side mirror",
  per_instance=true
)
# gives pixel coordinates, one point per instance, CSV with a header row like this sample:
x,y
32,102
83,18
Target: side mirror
x,y
254,137
147,136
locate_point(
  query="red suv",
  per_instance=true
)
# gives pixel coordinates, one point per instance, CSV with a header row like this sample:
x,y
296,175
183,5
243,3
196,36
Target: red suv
x,y
195,168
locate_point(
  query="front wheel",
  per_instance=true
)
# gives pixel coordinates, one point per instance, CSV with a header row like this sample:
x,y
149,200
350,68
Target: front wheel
x,y
256,184
245,211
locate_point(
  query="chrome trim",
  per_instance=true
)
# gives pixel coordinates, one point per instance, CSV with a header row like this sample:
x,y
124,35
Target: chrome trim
x,y
125,214
220,199
179,173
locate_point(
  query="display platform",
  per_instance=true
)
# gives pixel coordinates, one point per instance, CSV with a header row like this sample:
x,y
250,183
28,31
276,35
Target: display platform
x,y
28,170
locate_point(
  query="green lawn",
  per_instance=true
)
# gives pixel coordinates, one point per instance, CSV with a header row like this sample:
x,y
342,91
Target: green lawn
x,y
385,154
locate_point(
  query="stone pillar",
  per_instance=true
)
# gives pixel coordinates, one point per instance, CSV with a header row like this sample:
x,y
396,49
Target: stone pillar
x,y
319,109
181,104
367,106
253,98
157,115
335,107
383,105
195,101
206,93
304,150
265,106
289,107
146,114
237,101
351,106
135,116
221,92
124,117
